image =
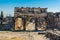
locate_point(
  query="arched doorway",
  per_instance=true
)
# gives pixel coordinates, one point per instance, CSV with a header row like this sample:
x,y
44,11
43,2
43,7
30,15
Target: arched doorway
x,y
19,23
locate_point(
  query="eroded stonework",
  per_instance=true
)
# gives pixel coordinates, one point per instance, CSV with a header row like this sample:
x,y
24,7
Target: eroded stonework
x,y
30,18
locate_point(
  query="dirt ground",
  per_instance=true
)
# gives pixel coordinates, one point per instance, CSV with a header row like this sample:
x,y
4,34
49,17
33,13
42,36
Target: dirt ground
x,y
21,36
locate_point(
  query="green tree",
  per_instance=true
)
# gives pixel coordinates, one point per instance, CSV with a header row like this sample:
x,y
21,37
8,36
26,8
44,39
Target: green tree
x,y
1,17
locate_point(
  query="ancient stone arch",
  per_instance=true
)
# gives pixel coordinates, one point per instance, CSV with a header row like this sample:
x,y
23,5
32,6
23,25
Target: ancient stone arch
x,y
26,16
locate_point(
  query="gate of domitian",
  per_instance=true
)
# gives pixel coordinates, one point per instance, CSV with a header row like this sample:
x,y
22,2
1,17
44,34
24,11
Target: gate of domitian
x,y
25,20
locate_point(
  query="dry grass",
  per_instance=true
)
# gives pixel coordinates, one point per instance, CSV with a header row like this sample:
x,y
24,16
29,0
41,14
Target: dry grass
x,y
21,36
14,38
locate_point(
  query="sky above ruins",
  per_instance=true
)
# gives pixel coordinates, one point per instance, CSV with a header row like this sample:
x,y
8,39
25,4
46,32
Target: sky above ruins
x,y
7,6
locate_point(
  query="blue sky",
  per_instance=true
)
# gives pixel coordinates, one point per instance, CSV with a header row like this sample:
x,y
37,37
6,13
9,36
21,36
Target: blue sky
x,y
7,6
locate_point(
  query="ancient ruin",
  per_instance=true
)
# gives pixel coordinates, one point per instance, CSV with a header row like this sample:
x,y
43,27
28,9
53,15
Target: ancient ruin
x,y
30,18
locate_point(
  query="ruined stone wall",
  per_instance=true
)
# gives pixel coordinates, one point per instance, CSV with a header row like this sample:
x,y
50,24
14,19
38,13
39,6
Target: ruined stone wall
x,y
35,12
